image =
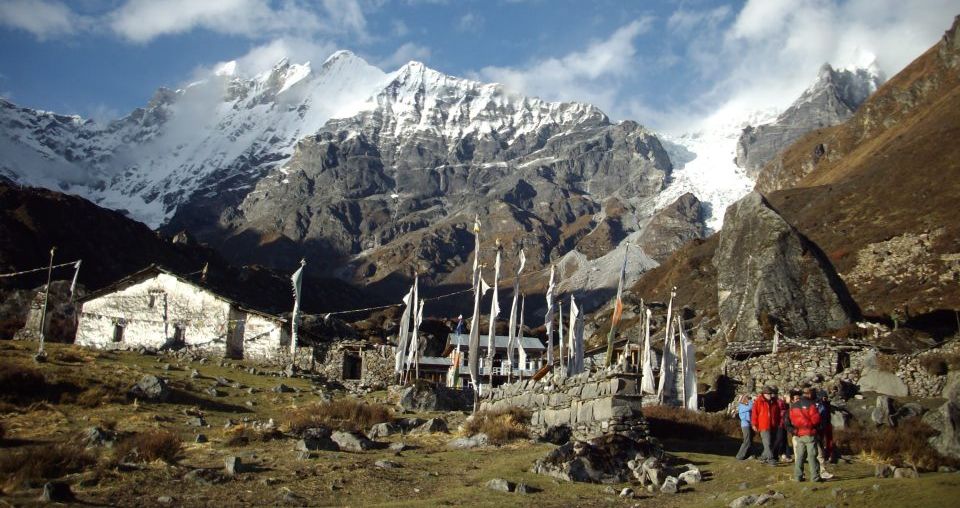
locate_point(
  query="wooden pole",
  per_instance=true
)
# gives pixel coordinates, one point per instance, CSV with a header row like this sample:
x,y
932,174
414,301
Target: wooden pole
x,y
46,298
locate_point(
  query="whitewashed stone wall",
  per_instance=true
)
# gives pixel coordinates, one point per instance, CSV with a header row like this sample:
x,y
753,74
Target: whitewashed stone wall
x,y
206,320
591,404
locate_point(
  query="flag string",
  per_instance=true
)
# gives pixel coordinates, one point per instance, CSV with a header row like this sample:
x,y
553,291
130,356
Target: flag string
x,y
24,272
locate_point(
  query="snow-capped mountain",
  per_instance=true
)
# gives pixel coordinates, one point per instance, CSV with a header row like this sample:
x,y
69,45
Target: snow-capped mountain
x,y
225,128
833,98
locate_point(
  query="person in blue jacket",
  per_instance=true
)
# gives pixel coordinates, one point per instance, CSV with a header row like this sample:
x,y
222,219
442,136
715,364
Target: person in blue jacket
x,y
744,407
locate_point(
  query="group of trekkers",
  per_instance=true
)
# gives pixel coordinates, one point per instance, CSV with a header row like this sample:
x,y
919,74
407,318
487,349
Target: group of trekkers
x,y
797,429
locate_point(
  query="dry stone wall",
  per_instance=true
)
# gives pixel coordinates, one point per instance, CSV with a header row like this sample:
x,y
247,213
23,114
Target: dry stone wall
x,y
819,365
591,404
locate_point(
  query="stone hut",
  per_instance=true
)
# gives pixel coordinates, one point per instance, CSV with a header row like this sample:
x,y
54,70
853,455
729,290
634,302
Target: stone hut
x,y
156,308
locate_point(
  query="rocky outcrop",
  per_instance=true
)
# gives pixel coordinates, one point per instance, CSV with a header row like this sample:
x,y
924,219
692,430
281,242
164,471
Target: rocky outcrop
x,y
769,276
834,97
673,226
946,420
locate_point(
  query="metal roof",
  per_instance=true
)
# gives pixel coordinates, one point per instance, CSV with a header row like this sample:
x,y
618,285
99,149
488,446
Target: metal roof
x,y
500,341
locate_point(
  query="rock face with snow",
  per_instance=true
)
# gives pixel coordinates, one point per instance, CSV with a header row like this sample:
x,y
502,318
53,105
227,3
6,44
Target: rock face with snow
x,y
831,100
768,275
371,175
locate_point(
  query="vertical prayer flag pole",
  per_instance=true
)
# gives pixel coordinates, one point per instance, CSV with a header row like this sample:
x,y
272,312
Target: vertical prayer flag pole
x,y
617,310
494,312
549,316
297,280
43,313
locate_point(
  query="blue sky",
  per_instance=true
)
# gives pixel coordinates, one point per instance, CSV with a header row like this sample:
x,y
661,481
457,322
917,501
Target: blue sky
x,y
668,64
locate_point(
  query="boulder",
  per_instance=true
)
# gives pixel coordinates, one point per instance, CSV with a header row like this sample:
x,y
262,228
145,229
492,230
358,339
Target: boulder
x,y
468,442
387,464
883,471
743,501
150,388
282,388
691,477
670,485
430,397
316,438
96,436
431,426
881,413
233,465
382,430
905,472
352,441
56,492
557,434
626,492
499,484
946,419
885,383
769,274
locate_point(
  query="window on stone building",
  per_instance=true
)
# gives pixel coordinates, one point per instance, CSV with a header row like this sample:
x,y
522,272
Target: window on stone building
x,y
152,301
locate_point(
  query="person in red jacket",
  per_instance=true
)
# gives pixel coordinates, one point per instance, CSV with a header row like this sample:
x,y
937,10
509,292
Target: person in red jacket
x,y
804,421
763,418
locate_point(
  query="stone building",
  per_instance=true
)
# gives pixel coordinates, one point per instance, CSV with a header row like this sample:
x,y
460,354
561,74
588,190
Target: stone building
x,y
357,362
531,356
156,308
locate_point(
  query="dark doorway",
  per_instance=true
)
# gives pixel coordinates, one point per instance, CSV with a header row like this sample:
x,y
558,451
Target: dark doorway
x,y
235,339
352,365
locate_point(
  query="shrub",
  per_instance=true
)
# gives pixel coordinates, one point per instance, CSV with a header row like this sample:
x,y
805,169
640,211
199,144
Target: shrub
x,y
43,463
341,414
680,423
906,444
501,425
149,446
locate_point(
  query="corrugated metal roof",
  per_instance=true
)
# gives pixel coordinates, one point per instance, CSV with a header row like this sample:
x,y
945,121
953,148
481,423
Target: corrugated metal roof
x,y
436,360
500,341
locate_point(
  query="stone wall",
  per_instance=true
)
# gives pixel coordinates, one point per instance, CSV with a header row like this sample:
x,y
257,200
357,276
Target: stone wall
x,y
825,365
591,404
376,362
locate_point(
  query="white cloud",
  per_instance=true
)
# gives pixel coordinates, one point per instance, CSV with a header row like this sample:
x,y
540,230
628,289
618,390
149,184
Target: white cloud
x,y
405,53
42,18
145,20
471,22
399,28
265,56
683,22
773,48
591,75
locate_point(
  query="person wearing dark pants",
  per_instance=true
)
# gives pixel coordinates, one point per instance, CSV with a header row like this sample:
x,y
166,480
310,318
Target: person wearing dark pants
x,y
804,421
743,410
763,419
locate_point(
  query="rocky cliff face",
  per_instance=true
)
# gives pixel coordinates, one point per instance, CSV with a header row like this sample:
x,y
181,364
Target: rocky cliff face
x,y
832,99
769,276
396,188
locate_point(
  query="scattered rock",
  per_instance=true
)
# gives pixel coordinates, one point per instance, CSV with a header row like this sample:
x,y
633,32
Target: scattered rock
x,y
431,426
194,374
233,465
382,430
96,436
387,464
150,388
56,492
883,471
250,403
316,438
196,421
205,476
500,484
352,441
523,488
601,460
905,472
213,392
609,490
946,419
201,438
626,492
399,446
165,500
743,501
767,497
691,476
282,388
670,485
291,498
468,442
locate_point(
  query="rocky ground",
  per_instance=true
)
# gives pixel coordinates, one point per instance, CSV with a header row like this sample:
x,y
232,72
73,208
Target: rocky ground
x,y
232,407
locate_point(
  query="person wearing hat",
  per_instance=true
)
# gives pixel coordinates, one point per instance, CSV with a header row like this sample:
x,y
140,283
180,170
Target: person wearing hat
x,y
804,422
762,420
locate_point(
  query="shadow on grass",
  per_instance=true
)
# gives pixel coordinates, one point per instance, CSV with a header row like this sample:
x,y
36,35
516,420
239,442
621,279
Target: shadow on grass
x,y
178,396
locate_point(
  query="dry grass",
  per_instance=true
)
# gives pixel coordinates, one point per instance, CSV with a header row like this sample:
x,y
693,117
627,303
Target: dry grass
x,y
906,444
887,363
341,414
501,426
674,422
44,462
242,435
149,446
21,383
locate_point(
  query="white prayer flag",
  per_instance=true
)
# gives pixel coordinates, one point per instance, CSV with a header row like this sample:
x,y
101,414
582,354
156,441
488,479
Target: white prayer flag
x,y
575,365
76,272
646,361
689,365
512,333
548,319
494,312
297,280
404,333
